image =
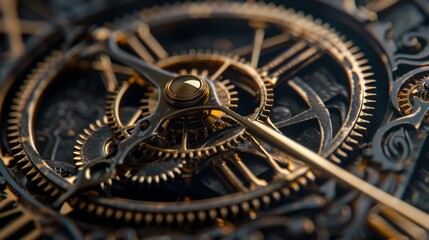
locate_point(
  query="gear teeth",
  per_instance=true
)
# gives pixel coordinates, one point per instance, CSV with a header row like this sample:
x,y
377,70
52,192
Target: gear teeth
x,y
157,178
409,90
148,218
276,196
15,116
423,90
138,217
13,134
233,210
202,216
36,178
362,71
269,100
256,204
212,214
204,73
119,131
83,137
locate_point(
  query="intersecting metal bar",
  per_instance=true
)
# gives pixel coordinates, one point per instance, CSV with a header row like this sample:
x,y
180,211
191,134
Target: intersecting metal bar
x,y
283,143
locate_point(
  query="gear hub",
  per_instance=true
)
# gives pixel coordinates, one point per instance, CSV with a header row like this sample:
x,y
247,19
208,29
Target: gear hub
x,y
186,91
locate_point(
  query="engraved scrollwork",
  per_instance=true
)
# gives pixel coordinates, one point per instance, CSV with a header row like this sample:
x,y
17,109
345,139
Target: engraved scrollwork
x,y
393,145
396,149
419,192
414,48
398,146
347,210
401,84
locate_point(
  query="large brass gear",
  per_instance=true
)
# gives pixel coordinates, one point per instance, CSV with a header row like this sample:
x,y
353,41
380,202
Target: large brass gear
x,y
97,140
249,201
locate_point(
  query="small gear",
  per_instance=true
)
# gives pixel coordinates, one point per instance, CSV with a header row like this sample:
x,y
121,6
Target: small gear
x,y
423,88
225,206
143,106
96,141
414,88
92,143
204,130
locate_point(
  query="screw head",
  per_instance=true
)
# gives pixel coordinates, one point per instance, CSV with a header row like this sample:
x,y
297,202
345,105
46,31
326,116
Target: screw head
x,y
186,91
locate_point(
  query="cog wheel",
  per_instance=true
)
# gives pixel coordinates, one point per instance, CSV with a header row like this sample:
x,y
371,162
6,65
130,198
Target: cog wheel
x,y
225,205
92,143
423,88
414,88
155,172
146,104
208,131
97,140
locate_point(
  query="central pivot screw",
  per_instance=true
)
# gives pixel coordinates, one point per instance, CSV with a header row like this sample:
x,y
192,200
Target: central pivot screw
x,y
186,91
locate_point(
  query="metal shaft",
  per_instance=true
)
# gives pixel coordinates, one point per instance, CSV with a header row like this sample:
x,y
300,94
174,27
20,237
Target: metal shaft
x,y
287,145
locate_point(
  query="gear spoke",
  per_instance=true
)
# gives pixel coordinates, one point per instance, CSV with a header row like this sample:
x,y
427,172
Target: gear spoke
x,y
232,179
279,172
258,42
267,44
134,118
247,173
156,76
317,110
144,33
97,65
217,74
178,145
109,78
292,61
184,143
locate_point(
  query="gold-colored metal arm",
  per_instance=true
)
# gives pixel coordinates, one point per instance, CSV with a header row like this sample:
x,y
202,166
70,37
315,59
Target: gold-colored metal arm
x,y
286,144
283,143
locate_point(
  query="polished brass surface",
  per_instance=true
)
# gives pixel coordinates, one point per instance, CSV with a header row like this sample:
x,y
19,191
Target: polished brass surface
x,y
186,91
214,119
